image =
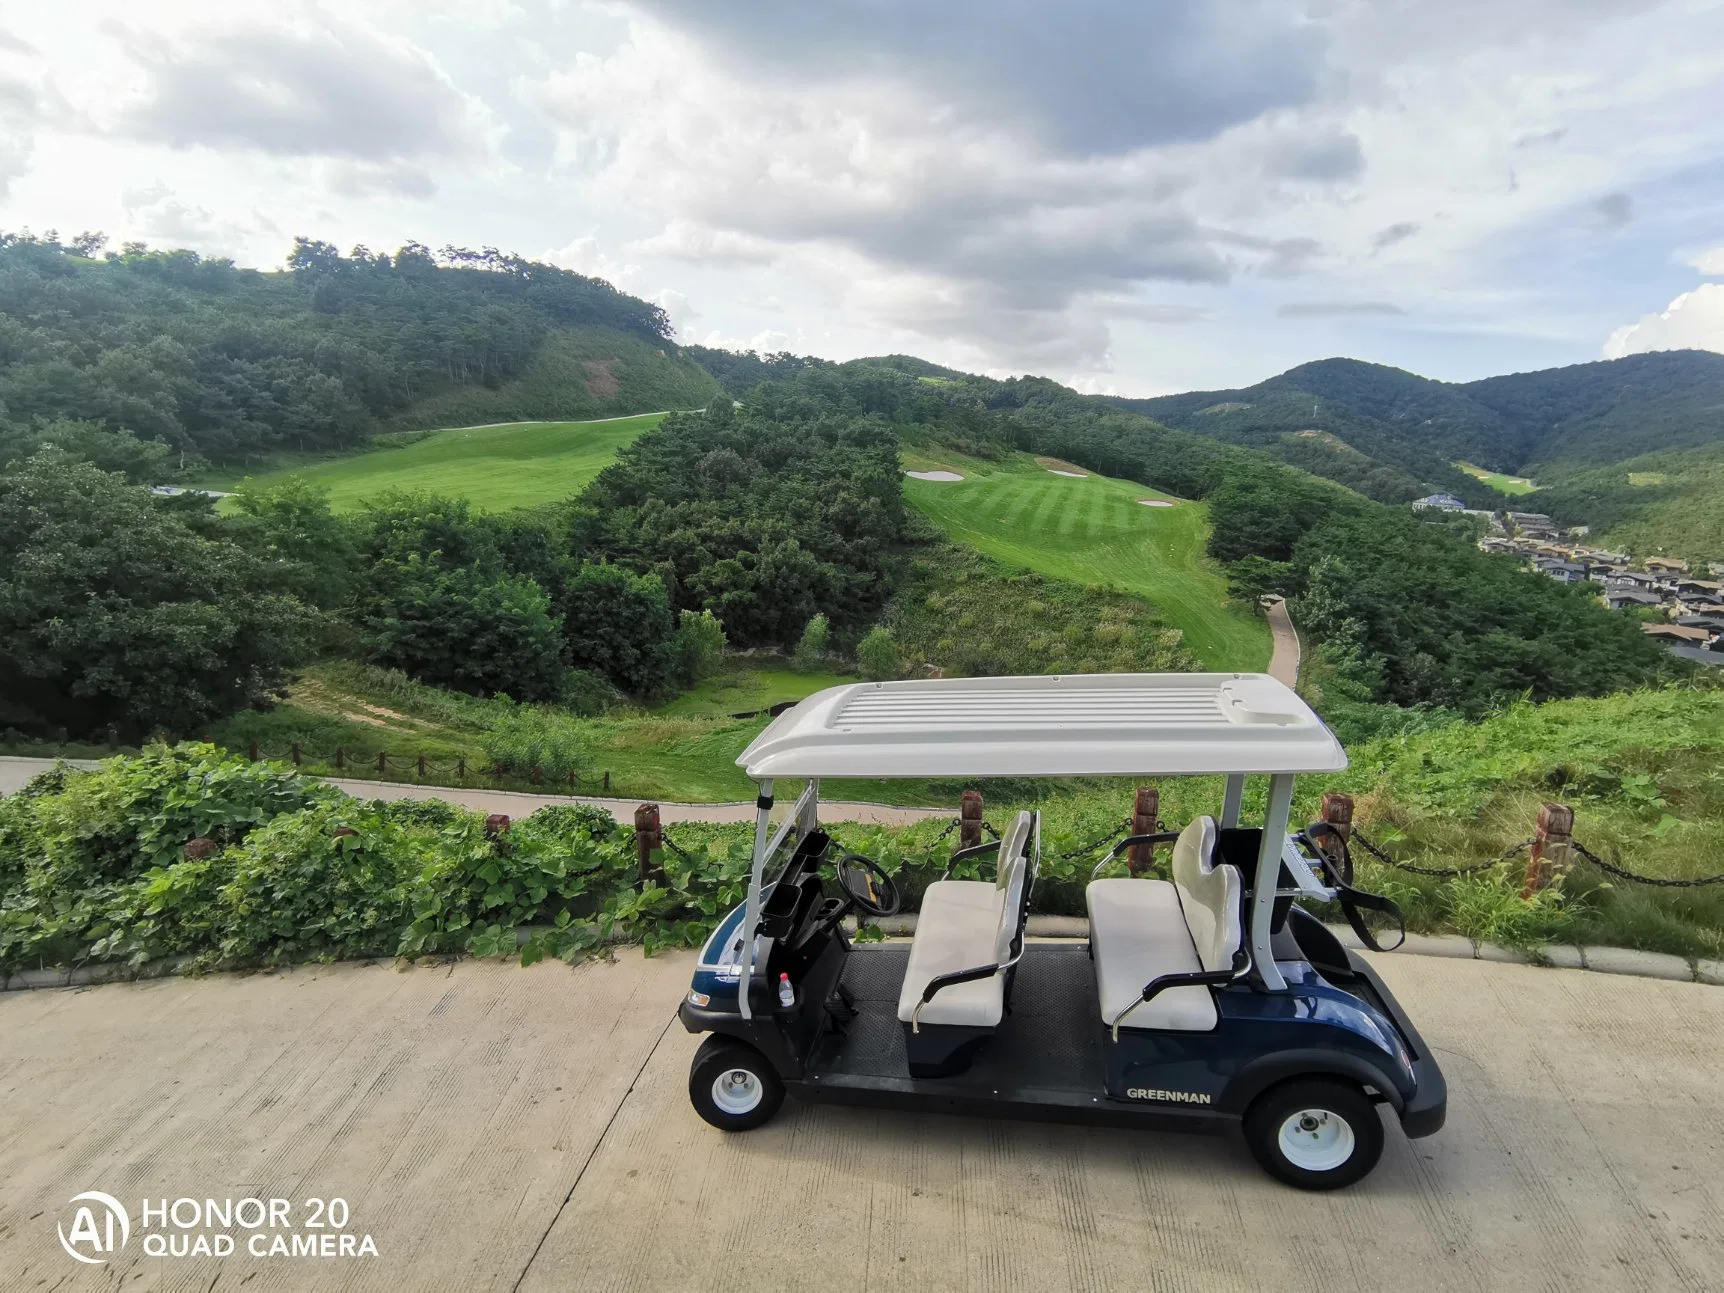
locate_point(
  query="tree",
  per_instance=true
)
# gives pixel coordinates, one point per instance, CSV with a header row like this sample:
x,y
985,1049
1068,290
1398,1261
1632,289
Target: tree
x,y
115,612
877,655
618,624
291,525
699,646
143,462
464,629
811,648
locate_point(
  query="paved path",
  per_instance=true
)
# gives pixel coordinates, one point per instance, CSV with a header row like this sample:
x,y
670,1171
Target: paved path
x,y
14,772
498,1128
1284,660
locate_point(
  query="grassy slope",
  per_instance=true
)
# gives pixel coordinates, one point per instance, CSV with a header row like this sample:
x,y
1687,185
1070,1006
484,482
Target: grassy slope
x,y
748,688
1683,512
1094,531
1511,485
576,373
496,467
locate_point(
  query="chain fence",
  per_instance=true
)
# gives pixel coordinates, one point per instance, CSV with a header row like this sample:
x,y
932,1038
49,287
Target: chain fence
x,y
1611,868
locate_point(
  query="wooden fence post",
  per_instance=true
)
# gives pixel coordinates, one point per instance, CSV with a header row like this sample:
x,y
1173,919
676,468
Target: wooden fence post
x,y
607,781
537,775
1337,811
970,819
340,758
382,760
1550,847
1145,812
293,753
649,838
574,778
422,766
251,749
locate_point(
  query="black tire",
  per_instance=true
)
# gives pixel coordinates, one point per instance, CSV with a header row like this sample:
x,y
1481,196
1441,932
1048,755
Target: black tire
x,y
1359,1126
751,1101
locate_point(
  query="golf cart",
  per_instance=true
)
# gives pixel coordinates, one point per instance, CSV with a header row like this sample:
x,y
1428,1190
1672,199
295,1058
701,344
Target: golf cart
x,y
1209,999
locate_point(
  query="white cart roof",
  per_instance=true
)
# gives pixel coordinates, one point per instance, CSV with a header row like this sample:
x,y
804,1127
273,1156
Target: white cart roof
x,y
1119,724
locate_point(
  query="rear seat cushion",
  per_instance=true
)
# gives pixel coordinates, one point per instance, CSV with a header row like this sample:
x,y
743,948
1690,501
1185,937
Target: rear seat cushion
x,y
963,924
1138,934
957,928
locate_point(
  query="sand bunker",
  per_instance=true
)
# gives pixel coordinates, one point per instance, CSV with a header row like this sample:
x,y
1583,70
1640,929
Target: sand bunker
x,y
1080,475
933,475
1156,502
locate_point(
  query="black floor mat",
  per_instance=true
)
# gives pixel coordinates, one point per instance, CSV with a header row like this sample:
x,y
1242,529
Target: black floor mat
x,y
1051,1037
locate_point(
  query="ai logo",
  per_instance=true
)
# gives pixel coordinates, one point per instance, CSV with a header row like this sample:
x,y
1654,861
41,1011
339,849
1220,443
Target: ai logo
x,y
97,1232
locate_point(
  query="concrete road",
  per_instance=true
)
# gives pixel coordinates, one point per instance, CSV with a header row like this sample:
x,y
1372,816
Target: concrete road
x,y
1284,658
15,771
499,1128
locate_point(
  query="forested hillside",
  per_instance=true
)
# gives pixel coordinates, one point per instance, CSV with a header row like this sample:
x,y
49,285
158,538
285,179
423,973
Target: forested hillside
x,y
1393,434
230,364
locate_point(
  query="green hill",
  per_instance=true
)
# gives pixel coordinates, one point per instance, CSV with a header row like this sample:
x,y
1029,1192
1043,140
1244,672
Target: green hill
x,y
494,467
1094,530
575,373
242,366
1580,430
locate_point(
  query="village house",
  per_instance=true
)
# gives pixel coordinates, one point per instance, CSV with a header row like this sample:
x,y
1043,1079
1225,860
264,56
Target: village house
x,y
1624,598
1678,633
1666,565
1564,572
1441,502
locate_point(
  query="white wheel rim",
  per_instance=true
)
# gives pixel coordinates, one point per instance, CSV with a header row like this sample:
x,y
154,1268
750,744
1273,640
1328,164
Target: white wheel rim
x,y
1316,1140
736,1091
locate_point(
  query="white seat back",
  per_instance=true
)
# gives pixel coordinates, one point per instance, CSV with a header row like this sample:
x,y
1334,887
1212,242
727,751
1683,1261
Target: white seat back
x,y
1014,878
1012,846
1208,895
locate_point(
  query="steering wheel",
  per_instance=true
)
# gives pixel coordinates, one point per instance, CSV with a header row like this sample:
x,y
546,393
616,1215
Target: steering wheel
x,y
867,886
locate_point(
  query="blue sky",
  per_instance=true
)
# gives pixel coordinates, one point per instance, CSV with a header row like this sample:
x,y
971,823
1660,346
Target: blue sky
x,y
1138,198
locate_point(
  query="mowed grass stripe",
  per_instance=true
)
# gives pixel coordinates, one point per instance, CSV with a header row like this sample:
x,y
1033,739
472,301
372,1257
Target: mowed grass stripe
x,y
1094,531
518,464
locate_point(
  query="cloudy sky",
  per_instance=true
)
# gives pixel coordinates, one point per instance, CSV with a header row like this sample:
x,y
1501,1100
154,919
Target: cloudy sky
x,y
1136,196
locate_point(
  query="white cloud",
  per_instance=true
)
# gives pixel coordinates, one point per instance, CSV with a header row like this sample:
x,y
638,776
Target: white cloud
x,y
312,85
1710,263
1693,321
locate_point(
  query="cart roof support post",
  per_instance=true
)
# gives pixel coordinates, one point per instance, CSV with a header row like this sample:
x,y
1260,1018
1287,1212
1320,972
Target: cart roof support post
x,y
751,908
803,818
1232,801
1269,880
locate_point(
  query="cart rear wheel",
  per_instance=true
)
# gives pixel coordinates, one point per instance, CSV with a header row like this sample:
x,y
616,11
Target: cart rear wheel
x,y
732,1086
1315,1133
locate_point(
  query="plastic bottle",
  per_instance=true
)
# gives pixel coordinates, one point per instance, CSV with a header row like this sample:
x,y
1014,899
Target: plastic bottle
x,y
786,993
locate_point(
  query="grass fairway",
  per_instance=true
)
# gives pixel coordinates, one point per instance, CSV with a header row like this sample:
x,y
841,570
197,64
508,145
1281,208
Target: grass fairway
x,y
496,468
1497,481
1095,531
749,689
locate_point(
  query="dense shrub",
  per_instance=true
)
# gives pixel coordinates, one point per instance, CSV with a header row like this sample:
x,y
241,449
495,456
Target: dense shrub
x,y
116,611
93,866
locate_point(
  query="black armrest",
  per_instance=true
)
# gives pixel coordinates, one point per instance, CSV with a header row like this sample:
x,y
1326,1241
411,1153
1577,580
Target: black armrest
x,y
974,851
1191,979
1130,841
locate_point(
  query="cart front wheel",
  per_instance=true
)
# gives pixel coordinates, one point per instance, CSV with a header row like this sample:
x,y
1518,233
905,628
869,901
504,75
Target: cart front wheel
x,y
732,1086
1315,1133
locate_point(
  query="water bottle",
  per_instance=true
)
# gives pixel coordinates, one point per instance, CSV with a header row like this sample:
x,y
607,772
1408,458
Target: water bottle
x,y
786,993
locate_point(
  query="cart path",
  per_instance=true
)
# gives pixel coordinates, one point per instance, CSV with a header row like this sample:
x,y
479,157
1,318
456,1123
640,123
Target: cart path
x,y
1284,660
493,1127
14,772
